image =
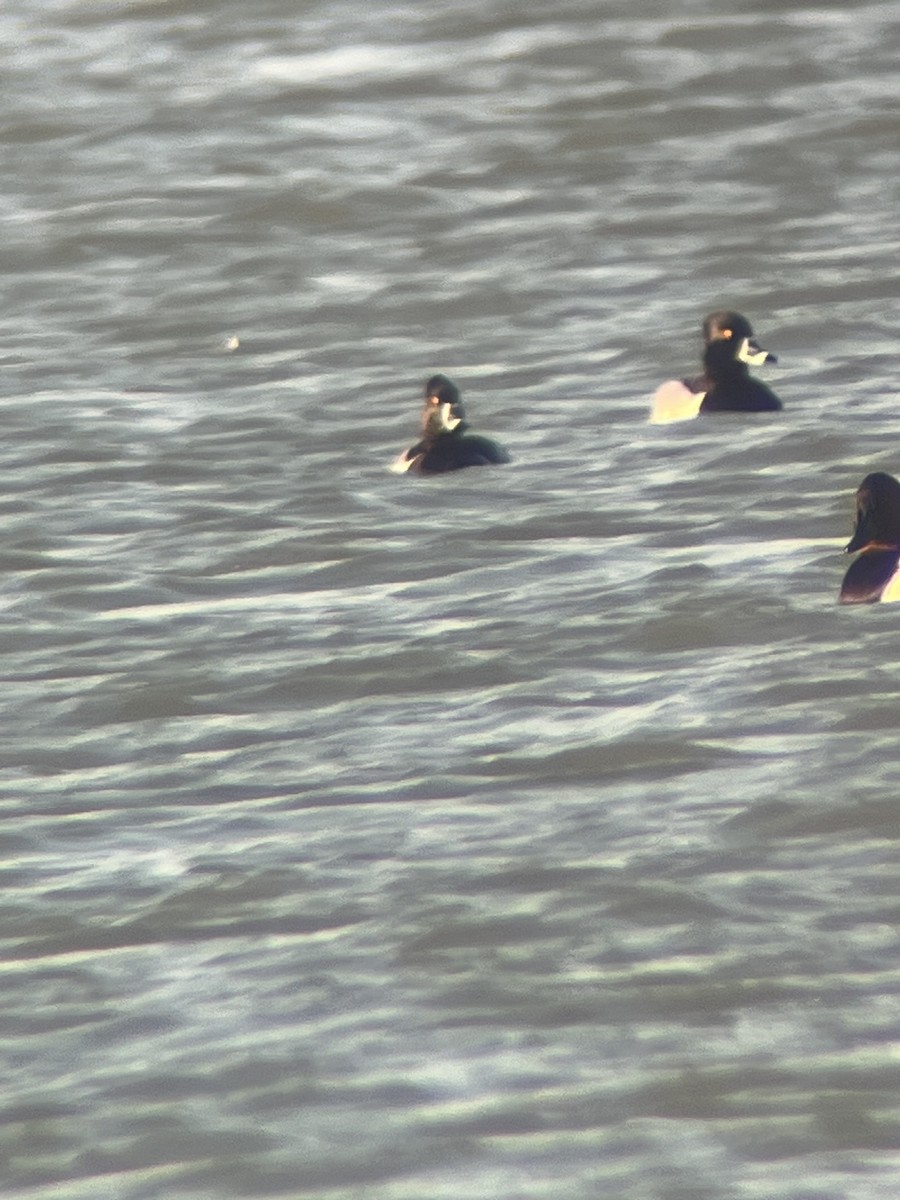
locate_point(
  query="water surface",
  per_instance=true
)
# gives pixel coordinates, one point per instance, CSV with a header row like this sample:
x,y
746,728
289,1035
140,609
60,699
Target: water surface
x,y
527,832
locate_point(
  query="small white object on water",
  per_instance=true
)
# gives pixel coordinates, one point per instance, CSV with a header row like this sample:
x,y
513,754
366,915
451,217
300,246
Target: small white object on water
x,y
231,343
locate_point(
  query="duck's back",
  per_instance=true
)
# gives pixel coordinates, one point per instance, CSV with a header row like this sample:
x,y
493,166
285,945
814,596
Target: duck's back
x,y
451,453
740,395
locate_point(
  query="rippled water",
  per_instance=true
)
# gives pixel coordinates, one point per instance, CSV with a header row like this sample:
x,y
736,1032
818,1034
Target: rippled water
x,y
528,832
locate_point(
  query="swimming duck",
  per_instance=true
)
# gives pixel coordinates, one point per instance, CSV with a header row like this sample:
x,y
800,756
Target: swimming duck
x,y
446,444
726,385
874,575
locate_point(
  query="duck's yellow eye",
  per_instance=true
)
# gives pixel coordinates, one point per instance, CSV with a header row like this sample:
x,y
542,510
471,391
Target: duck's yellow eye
x,y
726,333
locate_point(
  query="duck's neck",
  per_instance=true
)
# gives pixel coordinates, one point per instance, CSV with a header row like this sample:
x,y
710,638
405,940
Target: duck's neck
x,y
719,364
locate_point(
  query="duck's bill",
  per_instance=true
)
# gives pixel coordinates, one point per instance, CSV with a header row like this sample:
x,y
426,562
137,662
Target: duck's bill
x,y
438,418
753,354
448,420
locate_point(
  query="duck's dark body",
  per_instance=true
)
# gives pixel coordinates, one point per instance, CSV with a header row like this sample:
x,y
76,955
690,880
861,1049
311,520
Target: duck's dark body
x,y
454,450
876,534
868,577
733,390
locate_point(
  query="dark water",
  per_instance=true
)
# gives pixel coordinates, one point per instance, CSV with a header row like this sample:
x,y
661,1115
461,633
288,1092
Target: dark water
x,y
524,833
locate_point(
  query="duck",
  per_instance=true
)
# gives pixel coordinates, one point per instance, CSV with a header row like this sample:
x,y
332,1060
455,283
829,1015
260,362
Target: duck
x,y
875,575
446,443
726,385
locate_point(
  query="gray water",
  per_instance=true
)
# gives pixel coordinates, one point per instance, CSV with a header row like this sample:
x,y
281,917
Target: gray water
x,y
524,833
